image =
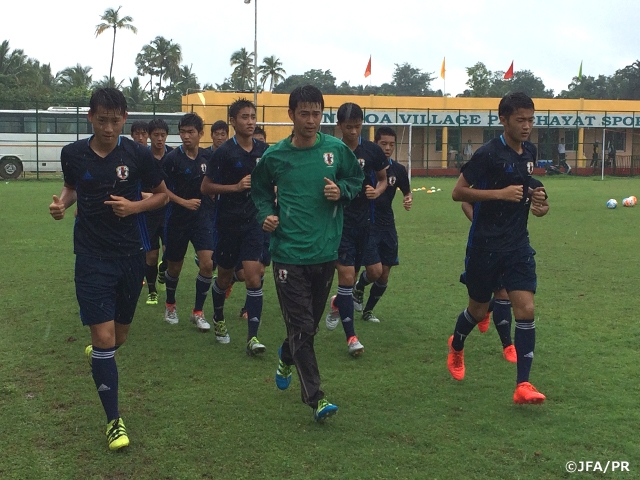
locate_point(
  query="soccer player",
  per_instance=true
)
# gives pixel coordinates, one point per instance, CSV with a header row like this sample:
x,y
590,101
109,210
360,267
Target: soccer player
x,y
140,132
239,236
108,171
316,175
219,134
260,134
158,131
383,234
500,174
355,233
190,218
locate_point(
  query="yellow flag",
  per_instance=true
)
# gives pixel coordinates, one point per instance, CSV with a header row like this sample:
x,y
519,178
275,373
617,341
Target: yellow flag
x,y
442,69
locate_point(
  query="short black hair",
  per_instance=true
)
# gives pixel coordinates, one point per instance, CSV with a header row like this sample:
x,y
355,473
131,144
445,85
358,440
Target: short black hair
x,y
306,94
109,99
139,125
512,102
220,125
384,131
191,120
239,104
350,111
158,124
260,130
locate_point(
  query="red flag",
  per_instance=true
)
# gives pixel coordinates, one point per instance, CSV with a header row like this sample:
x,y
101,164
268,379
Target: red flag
x,y
367,72
509,73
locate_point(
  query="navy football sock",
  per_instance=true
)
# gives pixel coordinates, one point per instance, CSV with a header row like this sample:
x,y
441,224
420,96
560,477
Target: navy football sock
x,y
254,310
492,304
363,281
202,288
464,325
344,302
151,273
105,376
172,284
377,290
218,297
502,321
525,343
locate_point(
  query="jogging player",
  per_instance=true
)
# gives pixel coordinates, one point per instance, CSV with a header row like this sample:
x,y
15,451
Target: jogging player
x,y
189,218
158,131
355,233
500,174
108,170
315,175
383,234
219,134
140,132
239,237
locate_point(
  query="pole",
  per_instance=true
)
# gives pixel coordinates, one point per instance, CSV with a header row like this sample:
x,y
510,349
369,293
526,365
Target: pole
x,y
603,137
255,56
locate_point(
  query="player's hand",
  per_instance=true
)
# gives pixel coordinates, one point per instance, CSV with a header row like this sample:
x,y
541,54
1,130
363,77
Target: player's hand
x,y
407,201
121,206
57,208
244,184
270,223
538,196
371,193
192,204
512,193
331,190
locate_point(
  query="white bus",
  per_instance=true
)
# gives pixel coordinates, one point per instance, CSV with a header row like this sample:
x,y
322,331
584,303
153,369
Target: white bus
x,y
31,140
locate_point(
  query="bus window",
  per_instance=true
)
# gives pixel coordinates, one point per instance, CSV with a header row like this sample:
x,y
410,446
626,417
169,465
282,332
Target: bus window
x,y
10,124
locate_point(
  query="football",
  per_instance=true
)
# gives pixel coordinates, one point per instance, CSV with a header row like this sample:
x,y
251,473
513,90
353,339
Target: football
x,y
628,202
612,203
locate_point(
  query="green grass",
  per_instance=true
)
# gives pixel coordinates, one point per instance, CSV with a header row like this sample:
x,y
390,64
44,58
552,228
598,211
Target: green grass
x,y
195,409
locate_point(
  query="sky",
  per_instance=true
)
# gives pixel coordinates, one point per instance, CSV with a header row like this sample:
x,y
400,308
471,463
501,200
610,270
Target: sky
x,y
548,37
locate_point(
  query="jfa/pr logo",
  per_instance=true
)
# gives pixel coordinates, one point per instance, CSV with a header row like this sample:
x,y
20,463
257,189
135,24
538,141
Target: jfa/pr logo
x,y
591,466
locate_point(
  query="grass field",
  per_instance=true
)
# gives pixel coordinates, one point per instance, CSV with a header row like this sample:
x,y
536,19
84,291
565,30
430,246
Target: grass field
x,y
196,409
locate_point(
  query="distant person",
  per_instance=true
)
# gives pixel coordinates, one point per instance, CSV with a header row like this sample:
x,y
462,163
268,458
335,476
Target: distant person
x,y
260,135
498,244
316,175
562,157
140,132
468,151
594,155
104,174
158,131
219,134
611,154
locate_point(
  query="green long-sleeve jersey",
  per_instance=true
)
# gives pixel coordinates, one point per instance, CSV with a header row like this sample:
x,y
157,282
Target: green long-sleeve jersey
x,y
310,226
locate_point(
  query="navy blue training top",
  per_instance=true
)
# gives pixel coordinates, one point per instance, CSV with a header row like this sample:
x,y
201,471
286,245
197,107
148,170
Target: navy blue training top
x,y
123,172
371,159
397,178
229,164
500,225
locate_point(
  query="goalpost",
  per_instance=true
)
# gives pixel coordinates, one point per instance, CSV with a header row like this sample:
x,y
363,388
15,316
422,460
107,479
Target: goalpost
x,y
399,139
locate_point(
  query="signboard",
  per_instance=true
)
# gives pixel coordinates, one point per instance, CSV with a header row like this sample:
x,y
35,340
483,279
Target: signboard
x,y
462,118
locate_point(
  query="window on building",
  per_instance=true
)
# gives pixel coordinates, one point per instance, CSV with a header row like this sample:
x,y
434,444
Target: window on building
x,y
438,139
491,133
570,140
617,137
453,139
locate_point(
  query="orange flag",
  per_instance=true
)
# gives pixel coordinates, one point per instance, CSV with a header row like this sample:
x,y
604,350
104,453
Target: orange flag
x,y
509,73
367,72
442,69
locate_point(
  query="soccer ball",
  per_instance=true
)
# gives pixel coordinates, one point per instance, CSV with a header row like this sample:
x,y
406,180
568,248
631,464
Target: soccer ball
x,y
612,203
635,200
628,202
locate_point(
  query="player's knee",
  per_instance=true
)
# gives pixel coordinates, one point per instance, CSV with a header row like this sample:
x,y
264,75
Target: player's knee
x,y
374,272
152,257
206,267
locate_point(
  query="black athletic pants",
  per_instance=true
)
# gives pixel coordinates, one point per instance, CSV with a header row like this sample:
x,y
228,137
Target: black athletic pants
x,y
302,292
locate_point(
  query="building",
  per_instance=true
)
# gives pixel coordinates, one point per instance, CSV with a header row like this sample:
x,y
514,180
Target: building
x,y
441,127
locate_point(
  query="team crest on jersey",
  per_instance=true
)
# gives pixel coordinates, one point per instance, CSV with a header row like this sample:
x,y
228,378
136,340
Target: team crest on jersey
x,y
392,181
122,172
361,162
529,168
282,275
203,167
328,158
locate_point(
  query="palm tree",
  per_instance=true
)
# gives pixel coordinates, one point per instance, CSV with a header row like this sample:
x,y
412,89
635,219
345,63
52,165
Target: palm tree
x,y
242,74
72,77
107,82
185,79
111,19
271,68
11,62
160,58
145,63
135,94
